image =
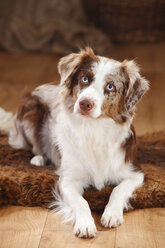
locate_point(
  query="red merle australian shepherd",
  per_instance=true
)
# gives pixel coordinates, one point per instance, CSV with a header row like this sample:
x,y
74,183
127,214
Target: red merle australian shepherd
x,y
84,127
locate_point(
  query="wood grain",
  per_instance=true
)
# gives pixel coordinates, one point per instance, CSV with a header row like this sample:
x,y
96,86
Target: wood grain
x,y
142,228
56,232
21,227
34,227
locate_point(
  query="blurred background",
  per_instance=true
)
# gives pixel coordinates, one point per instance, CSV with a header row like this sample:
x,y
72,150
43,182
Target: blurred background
x,y
34,34
62,26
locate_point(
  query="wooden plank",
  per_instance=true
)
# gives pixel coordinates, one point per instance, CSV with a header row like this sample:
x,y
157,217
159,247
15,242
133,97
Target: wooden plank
x,y
142,228
57,234
21,226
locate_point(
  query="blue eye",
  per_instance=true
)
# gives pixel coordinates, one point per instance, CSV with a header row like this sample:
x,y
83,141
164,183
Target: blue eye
x,y
109,87
85,80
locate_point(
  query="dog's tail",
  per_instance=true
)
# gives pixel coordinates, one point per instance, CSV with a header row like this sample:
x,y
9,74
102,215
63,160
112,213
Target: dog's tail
x,y
6,121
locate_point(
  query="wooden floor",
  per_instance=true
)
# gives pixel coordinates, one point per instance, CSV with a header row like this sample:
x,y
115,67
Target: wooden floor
x,y
36,227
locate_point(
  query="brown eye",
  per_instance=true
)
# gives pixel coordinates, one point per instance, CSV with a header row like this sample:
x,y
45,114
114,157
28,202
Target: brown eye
x,y
109,87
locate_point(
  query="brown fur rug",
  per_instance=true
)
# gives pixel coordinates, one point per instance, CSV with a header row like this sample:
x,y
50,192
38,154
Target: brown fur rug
x,y
27,185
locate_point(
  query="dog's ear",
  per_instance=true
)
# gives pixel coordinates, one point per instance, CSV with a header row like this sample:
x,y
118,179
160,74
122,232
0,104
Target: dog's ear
x,y
70,63
137,85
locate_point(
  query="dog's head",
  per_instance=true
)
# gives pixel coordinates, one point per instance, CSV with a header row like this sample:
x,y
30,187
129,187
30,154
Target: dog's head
x,y
96,86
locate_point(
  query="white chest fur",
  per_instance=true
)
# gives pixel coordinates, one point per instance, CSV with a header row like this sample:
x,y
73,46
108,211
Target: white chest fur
x,y
91,149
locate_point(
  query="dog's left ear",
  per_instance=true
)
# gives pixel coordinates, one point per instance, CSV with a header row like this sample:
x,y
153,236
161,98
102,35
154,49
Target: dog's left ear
x,y
137,85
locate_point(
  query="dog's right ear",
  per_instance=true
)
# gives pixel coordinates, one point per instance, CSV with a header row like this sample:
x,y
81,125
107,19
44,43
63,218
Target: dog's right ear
x,y
69,64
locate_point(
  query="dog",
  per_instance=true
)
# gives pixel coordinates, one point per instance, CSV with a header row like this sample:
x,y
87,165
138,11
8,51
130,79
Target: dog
x,y
84,127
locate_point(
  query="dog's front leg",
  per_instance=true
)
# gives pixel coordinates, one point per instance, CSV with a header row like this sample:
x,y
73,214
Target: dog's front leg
x,y
71,192
113,213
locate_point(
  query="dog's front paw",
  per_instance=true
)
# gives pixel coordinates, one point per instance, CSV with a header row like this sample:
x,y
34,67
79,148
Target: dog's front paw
x,y
112,217
85,228
37,160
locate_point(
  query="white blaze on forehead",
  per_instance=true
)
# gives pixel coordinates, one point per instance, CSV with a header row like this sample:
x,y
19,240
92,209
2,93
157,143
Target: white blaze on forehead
x,y
91,94
103,68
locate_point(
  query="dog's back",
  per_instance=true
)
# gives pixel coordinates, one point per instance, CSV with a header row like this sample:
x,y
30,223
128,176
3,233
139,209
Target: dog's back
x,y
32,117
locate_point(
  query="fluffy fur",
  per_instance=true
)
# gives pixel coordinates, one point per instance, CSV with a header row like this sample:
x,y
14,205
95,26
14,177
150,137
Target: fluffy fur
x,y
28,185
84,127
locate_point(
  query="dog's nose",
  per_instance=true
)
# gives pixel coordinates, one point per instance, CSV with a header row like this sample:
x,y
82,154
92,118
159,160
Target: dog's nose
x,y
86,105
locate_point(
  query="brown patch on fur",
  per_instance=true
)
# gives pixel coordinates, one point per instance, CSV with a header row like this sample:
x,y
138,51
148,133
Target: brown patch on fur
x,y
134,95
110,104
27,185
109,109
83,70
129,146
108,80
113,107
34,111
122,118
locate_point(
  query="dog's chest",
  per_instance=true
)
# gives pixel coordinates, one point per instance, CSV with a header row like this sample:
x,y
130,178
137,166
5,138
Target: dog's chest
x,y
101,155
95,147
